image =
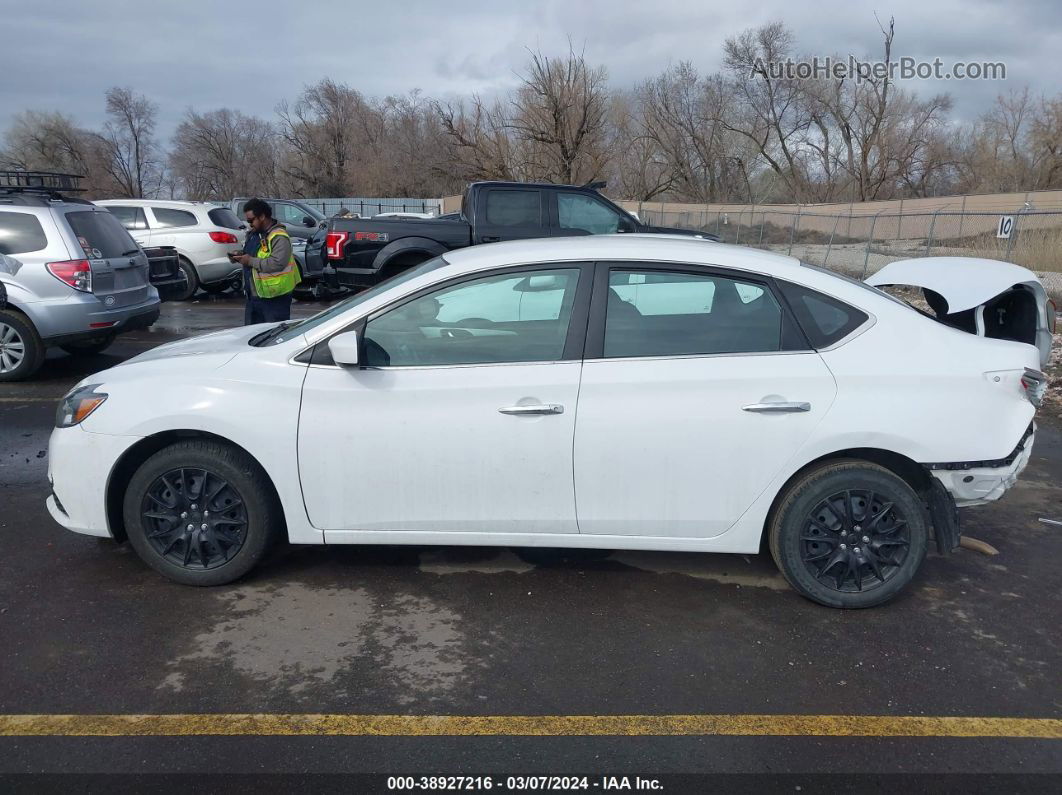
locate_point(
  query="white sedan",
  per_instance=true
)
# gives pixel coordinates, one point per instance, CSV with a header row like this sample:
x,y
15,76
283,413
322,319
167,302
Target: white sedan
x,y
608,392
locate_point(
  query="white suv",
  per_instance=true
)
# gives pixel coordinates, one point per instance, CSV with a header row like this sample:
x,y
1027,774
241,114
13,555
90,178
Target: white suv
x,y
202,234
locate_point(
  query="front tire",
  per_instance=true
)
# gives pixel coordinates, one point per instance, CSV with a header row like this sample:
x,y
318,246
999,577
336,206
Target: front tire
x,y
201,513
849,534
21,348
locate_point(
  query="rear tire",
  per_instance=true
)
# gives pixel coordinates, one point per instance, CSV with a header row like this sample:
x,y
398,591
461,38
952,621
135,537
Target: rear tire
x,y
201,513
184,292
21,348
90,348
849,534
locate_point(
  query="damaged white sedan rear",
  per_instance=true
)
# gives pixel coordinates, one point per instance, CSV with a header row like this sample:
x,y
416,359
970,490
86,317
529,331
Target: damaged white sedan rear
x,y
606,392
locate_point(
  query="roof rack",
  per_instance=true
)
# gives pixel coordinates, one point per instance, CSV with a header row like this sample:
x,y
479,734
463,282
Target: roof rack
x,y
50,182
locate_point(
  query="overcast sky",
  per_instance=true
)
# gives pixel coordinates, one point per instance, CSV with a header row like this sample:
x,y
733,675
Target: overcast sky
x,y
206,55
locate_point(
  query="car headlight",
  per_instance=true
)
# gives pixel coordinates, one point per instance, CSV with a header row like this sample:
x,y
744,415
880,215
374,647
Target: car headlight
x,y
76,407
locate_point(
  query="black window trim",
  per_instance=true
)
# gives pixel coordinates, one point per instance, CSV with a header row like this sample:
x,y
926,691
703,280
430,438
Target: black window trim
x,y
573,344
595,333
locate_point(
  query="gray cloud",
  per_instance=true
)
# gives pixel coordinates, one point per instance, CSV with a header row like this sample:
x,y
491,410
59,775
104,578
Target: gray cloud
x,y
61,55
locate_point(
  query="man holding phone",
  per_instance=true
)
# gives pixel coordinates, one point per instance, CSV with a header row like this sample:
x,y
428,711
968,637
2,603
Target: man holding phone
x,y
274,273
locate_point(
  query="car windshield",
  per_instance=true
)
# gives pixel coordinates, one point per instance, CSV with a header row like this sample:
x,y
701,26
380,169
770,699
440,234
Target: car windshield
x,y
310,323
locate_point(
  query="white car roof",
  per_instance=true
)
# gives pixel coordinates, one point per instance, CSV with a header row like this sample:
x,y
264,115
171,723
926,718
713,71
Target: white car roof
x,y
645,247
165,203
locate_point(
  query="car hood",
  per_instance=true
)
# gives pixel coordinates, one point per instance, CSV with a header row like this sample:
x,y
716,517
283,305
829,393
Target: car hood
x,y
225,343
964,282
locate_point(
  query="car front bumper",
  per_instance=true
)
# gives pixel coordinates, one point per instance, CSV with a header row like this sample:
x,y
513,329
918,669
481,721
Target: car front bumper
x,y
979,485
79,468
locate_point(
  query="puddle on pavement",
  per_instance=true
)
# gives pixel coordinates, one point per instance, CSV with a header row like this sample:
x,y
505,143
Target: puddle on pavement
x,y
296,637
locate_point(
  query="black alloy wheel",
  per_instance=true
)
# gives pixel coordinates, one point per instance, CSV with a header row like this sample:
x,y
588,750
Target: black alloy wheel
x,y
849,533
855,541
194,518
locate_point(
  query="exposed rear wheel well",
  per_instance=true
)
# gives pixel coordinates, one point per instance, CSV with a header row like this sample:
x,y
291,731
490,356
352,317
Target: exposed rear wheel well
x,y
910,471
404,261
141,452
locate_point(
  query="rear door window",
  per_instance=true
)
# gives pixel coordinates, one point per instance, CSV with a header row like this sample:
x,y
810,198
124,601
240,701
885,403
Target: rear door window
x,y
514,208
223,217
663,313
169,218
21,233
130,217
100,235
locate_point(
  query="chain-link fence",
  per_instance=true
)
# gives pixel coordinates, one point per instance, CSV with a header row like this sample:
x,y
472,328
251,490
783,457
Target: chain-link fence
x,y
859,245
368,207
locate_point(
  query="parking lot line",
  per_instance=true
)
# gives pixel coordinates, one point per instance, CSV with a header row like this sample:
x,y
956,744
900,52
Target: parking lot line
x,y
249,724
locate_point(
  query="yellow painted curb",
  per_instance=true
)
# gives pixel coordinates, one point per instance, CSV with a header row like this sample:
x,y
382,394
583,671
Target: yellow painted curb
x,y
205,724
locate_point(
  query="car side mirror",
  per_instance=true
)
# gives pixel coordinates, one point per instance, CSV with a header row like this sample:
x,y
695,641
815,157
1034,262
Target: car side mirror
x,y
626,225
308,221
344,348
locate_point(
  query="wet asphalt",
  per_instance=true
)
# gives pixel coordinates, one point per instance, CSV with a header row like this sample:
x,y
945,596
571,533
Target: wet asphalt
x,y
86,628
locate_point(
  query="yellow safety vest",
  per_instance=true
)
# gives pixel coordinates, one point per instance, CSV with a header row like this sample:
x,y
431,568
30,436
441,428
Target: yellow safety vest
x,y
274,285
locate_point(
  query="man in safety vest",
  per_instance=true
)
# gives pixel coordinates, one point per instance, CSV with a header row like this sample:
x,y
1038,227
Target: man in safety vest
x,y
274,274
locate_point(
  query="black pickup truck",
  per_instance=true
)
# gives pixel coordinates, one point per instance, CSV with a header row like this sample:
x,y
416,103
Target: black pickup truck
x,y
361,252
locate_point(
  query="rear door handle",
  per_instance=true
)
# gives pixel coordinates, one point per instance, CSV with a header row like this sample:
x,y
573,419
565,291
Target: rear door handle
x,y
547,408
777,408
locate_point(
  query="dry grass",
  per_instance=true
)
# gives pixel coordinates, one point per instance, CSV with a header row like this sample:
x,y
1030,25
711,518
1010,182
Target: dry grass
x,y
1035,249
1052,407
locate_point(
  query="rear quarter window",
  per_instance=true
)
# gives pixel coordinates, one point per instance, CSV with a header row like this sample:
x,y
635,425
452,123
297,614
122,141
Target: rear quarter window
x,y
168,218
21,233
824,319
100,234
223,217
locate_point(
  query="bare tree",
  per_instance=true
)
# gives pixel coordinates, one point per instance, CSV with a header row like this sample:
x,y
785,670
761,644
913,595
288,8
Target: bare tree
x,y
127,144
224,153
1045,143
639,168
769,110
478,141
688,118
561,111
328,132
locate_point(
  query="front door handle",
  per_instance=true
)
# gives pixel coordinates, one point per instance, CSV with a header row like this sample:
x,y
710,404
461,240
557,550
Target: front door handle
x,y
491,238
777,408
547,408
